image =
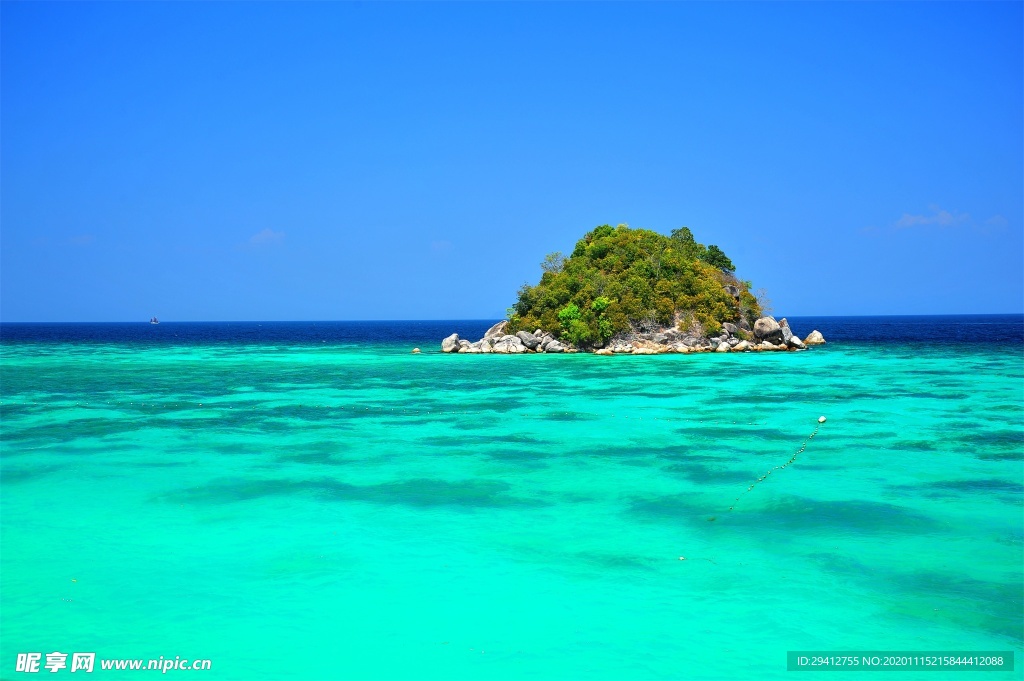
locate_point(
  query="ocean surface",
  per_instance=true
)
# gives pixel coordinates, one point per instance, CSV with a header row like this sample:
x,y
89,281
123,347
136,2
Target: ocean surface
x,y
312,501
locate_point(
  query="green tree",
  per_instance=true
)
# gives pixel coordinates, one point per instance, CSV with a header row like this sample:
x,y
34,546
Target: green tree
x,y
553,262
717,258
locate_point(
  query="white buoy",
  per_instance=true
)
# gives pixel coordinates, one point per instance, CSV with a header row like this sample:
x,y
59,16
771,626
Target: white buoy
x,y
821,419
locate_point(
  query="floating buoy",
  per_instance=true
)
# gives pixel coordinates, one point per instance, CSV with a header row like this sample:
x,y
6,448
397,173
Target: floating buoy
x,y
821,419
415,351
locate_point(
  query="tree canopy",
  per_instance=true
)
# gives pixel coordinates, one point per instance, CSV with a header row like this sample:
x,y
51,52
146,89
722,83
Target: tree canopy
x,y
619,279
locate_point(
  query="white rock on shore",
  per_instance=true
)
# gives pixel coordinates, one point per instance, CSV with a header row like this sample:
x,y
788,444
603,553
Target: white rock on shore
x,y
814,338
768,335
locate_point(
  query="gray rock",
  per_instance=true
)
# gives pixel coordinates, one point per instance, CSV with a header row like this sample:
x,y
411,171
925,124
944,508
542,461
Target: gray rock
x,y
660,337
733,342
795,342
451,343
504,347
814,338
730,328
732,290
723,347
554,346
742,346
743,324
787,333
538,333
767,329
498,330
528,339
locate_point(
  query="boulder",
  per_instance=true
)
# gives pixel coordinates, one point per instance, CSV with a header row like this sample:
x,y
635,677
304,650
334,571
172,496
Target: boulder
x,y
503,347
796,343
787,333
741,346
814,338
451,343
733,342
767,329
528,339
498,330
743,324
538,333
644,351
730,328
486,347
723,347
554,346
463,343
732,290
603,351
681,349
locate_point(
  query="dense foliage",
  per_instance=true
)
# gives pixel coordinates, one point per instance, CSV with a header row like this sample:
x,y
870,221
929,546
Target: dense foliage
x,y
621,280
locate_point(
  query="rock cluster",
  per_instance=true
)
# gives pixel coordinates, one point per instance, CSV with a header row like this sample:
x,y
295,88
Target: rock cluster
x,y
498,342
767,334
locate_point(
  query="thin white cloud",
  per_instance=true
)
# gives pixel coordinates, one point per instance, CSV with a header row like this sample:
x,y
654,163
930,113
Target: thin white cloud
x,y
996,221
266,237
937,218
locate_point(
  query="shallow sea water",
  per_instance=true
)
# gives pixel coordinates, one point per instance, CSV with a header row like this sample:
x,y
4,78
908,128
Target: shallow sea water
x,y
345,509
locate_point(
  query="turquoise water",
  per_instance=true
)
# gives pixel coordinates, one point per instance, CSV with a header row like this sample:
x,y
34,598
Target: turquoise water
x,y
353,511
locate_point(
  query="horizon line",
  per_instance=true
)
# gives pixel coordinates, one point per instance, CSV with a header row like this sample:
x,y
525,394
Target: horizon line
x,y
469,319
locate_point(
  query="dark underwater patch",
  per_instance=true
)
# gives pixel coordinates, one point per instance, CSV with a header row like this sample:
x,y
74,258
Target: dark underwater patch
x,y
698,472
615,561
1003,490
932,595
459,441
422,492
789,514
568,416
18,474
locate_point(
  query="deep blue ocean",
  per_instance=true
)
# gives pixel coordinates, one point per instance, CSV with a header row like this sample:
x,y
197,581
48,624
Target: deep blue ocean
x,y
1005,328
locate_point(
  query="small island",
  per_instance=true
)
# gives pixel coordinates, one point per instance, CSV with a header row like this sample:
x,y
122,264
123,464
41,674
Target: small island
x,y
635,291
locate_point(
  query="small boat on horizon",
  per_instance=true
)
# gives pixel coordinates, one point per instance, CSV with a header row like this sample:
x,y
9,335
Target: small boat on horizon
x,y
154,320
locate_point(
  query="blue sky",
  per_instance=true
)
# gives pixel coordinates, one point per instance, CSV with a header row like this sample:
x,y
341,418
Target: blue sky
x,y
274,161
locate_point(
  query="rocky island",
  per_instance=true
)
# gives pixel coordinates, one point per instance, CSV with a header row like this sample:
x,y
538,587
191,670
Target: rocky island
x,y
635,291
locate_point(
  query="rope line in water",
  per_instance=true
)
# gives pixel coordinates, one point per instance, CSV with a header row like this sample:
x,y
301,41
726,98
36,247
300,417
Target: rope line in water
x,y
803,446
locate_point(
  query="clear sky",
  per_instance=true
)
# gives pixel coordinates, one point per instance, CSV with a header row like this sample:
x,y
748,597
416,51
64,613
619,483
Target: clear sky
x,y
274,161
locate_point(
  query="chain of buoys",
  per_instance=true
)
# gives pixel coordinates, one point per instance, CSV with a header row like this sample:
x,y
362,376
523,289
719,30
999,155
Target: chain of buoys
x,y
803,446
